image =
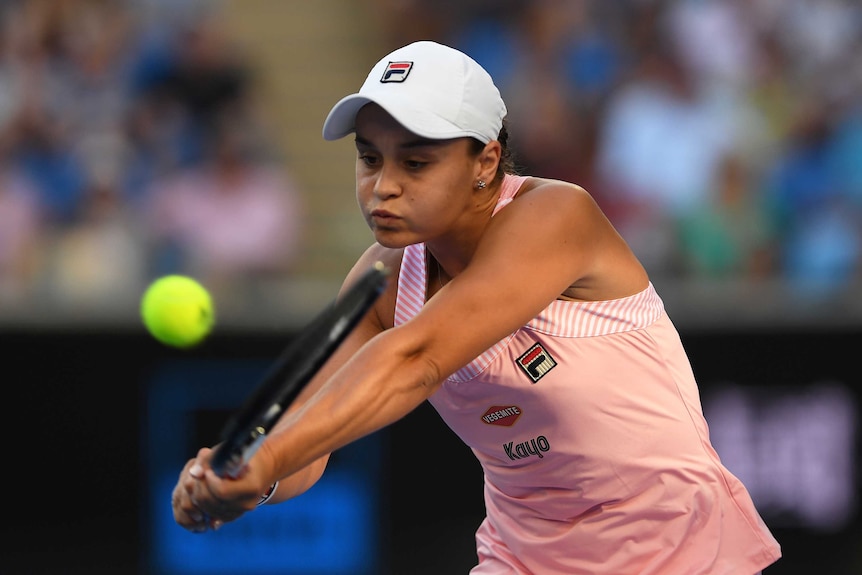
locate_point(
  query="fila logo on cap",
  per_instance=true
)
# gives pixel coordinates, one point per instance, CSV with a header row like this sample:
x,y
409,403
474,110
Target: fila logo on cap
x,y
536,362
396,71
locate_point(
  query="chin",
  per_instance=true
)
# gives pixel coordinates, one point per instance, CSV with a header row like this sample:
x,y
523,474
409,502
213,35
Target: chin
x,y
388,243
394,240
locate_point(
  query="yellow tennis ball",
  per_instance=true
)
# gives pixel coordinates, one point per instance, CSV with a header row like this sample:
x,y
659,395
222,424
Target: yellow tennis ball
x,y
177,311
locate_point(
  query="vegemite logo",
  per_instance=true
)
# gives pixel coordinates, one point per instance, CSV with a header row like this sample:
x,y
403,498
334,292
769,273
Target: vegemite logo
x,y
396,71
502,415
536,362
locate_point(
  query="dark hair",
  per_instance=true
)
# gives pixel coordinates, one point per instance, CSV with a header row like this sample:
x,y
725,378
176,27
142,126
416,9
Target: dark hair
x,y
507,159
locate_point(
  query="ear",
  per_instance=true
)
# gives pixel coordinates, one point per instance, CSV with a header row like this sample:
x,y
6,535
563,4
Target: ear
x,y
488,160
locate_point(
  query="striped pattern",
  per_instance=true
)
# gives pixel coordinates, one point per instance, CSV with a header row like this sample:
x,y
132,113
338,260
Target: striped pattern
x,y
560,318
479,364
411,283
595,318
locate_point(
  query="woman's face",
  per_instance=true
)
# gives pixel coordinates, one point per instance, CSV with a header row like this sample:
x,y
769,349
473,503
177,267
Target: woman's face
x,y
410,189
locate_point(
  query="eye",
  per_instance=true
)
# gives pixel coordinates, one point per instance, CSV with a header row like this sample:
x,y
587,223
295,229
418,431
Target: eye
x,y
415,164
368,159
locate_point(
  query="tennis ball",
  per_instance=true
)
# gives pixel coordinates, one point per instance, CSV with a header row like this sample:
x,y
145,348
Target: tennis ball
x,y
177,311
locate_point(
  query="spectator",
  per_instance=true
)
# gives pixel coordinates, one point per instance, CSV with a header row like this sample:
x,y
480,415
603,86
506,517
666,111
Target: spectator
x,y
99,260
659,148
22,232
822,242
233,218
733,235
35,110
206,79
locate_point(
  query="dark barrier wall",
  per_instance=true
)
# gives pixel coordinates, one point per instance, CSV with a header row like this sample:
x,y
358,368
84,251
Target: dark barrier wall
x,y
79,450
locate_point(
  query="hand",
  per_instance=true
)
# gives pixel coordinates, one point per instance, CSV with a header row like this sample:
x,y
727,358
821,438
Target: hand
x,y
186,512
202,501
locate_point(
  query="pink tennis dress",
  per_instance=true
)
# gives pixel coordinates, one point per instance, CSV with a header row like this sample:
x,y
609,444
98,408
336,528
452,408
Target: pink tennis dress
x,y
596,455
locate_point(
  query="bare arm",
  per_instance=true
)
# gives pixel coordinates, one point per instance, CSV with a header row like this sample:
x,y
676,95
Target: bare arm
x,y
297,483
544,244
241,495
555,239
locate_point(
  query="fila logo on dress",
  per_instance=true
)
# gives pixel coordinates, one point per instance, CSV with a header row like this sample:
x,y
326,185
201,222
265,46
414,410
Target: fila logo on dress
x,y
536,362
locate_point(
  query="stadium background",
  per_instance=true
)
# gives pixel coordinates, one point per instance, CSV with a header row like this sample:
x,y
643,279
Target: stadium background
x,y
772,343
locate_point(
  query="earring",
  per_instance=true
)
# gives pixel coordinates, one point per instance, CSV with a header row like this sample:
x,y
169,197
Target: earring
x,y
481,184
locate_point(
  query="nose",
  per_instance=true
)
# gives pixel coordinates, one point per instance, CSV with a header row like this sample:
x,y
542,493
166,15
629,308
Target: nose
x,y
387,184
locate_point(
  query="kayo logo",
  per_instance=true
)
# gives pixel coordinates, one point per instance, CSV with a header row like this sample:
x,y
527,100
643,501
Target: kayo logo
x,y
536,362
396,71
536,446
502,415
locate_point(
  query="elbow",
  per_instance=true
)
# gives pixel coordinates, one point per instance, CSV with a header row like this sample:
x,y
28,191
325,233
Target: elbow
x,y
431,377
411,363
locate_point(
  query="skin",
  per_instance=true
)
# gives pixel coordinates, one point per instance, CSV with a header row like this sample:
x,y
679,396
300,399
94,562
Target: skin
x,y
552,242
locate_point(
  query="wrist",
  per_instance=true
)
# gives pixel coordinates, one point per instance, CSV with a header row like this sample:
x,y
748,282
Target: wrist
x,y
268,494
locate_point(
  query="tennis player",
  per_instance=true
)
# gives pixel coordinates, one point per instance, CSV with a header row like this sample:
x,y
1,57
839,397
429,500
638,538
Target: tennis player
x,y
519,312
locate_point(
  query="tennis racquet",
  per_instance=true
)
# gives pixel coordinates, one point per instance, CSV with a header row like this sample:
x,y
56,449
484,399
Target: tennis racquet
x,y
246,430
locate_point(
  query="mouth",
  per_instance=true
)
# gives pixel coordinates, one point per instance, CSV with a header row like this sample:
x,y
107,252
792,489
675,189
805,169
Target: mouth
x,y
383,215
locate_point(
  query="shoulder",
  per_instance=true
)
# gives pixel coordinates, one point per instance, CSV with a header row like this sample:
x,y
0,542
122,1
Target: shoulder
x,y
564,223
553,188
554,199
547,212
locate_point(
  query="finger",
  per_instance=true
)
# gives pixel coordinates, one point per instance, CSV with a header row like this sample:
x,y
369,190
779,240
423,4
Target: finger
x,y
187,515
203,456
187,512
194,512
204,499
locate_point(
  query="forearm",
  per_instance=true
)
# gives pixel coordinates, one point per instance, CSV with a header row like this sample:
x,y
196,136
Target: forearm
x,y
381,384
298,483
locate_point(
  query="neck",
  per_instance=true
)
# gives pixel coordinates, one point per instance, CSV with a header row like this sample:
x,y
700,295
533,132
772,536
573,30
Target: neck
x,y
452,252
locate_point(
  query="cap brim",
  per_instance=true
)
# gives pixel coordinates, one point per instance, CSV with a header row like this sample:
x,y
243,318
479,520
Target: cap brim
x,y
341,120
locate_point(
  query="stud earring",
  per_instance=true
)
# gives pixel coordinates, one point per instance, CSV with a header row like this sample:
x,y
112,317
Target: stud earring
x,y
481,184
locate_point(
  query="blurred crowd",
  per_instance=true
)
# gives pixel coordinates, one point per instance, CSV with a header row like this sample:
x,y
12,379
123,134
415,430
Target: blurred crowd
x,y
722,137
132,145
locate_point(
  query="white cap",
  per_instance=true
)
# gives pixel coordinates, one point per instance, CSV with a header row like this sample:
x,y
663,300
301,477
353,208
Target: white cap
x,y
432,90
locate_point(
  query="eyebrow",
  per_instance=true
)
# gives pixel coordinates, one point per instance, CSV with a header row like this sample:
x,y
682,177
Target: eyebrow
x,y
410,144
